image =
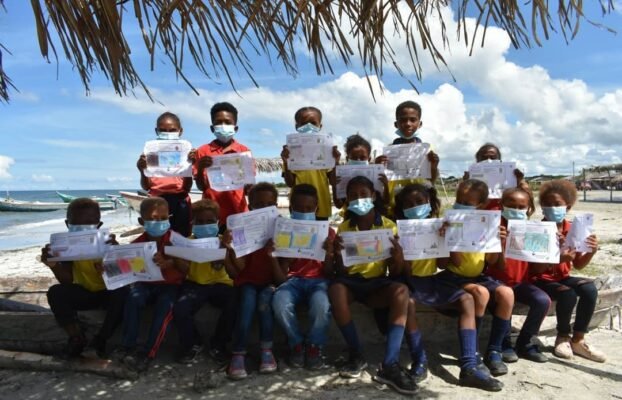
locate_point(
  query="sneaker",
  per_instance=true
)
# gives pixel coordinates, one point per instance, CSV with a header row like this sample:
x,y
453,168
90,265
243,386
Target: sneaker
x,y
509,355
268,363
237,369
99,345
220,356
314,360
494,362
297,356
532,353
418,372
397,378
354,366
475,378
581,348
563,349
190,355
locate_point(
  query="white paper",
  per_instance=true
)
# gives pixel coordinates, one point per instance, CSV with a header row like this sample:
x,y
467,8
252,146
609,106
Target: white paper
x,y
197,250
300,239
129,263
581,228
366,246
251,230
347,172
407,161
532,241
231,171
420,240
472,231
498,176
168,158
310,151
74,246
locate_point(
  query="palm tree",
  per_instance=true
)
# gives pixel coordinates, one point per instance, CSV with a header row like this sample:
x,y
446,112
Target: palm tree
x,y
218,36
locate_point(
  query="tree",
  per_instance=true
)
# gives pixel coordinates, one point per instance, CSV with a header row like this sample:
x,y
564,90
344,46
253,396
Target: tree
x,y
219,35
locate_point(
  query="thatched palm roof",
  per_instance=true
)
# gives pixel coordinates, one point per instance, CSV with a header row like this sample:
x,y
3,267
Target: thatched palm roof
x,y
267,165
218,35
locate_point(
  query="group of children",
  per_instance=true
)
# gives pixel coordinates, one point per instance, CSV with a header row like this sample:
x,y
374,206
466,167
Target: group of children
x,y
272,288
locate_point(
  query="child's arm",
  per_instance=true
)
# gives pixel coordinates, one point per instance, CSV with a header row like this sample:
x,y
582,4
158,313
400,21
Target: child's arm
x,y
497,260
397,256
166,262
62,270
441,263
200,178
583,259
386,195
329,260
233,264
141,164
279,274
434,160
332,174
337,201
338,267
289,176
455,258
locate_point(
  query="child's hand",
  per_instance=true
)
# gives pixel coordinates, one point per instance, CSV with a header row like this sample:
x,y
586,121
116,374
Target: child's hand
x,y
336,154
99,266
592,243
247,188
270,248
112,239
443,229
381,159
519,175
433,158
466,176
205,162
383,178
192,155
141,164
397,253
329,247
338,244
503,233
227,239
285,153
567,255
162,261
46,252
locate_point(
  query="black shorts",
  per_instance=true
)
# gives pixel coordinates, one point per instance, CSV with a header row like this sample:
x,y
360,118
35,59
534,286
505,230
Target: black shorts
x,y
361,288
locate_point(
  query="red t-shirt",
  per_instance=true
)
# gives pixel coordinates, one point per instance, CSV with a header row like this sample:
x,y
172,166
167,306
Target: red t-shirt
x,y
258,270
167,185
561,270
171,275
306,268
515,271
494,205
232,201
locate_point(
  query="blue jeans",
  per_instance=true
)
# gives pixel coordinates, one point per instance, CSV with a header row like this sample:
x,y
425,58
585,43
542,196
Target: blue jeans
x,y
163,296
313,293
251,298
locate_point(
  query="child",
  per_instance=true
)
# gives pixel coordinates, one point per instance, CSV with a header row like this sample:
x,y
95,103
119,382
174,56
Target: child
x,y
207,282
309,120
173,189
254,277
367,283
81,286
304,282
420,201
556,198
516,205
154,218
465,269
224,126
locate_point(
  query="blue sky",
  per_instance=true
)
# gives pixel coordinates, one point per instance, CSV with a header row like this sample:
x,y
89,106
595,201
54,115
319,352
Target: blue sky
x,y
545,107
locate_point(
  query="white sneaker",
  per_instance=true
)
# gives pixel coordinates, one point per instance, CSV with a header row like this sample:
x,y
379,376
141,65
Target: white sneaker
x,y
563,348
582,349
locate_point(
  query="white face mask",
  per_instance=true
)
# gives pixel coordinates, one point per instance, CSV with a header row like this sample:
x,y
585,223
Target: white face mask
x,y
168,135
223,132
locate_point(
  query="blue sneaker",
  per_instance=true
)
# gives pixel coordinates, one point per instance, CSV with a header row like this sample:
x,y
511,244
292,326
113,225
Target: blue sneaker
x,y
268,362
237,369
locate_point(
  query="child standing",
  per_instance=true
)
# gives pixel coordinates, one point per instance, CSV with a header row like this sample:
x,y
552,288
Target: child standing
x,y
254,279
367,283
81,286
305,282
224,127
207,282
309,120
173,189
556,198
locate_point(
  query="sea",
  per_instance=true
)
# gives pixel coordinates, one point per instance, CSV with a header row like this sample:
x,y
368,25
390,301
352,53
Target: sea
x,y
19,230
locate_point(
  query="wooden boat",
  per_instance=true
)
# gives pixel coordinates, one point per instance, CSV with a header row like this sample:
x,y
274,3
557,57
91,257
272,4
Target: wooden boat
x,y
9,204
133,199
67,198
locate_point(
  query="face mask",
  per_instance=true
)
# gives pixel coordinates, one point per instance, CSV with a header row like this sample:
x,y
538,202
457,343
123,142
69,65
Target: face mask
x,y
205,231
458,206
554,214
168,135
223,132
418,212
80,228
303,216
513,213
401,134
361,206
308,128
156,228
358,162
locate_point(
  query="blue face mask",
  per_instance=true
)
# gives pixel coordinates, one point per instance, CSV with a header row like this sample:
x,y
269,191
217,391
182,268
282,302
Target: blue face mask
x,y
358,162
361,206
156,228
513,213
310,216
223,132
554,214
308,128
401,134
418,212
80,228
205,231
168,135
458,206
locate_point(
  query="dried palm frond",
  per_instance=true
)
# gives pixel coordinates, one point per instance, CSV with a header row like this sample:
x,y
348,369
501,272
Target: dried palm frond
x,y
218,36
267,165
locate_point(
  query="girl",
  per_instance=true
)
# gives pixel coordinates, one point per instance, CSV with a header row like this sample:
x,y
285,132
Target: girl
x,y
420,201
173,189
556,198
368,284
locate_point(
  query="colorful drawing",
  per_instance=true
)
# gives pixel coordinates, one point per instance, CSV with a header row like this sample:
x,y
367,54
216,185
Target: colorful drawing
x,y
303,240
239,238
283,240
368,248
170,158
536,242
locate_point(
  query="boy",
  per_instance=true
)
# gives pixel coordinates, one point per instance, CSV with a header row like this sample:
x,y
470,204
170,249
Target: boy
x,y
81,286
206,282
154,218
304,282
224,126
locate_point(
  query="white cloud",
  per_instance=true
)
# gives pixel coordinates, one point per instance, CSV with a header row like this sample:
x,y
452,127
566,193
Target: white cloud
x,y
114,179
78,144
42,178
5,164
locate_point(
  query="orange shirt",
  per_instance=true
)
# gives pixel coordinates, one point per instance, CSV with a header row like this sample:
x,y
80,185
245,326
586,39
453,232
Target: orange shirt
x,y
168,185
561,270
514,272
171,275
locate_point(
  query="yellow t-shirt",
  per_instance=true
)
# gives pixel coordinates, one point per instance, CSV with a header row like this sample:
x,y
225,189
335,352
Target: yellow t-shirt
x,y
85,275
209,273
319,180
471,266
423,267
372,269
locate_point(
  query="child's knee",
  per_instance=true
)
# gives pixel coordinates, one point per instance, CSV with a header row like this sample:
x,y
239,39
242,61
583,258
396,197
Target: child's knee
x,y
466,303
480,294
588,290
504,294
401,292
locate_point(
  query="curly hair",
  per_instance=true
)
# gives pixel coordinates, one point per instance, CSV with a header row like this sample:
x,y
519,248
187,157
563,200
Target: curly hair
x,y
564,188
205,205
428,190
